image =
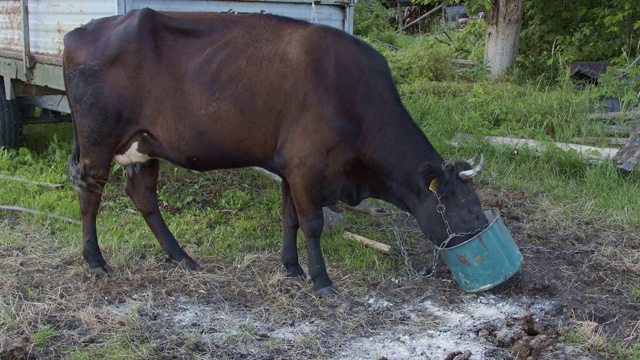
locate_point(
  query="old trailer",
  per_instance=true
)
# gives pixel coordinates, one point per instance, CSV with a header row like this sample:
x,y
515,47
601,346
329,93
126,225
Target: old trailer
x,y
31,45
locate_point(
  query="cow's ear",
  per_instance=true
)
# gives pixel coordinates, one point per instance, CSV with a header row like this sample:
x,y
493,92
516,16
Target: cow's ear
x,y
431,176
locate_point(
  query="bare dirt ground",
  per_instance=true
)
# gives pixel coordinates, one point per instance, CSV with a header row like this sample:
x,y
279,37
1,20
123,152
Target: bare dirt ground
x,y
568,301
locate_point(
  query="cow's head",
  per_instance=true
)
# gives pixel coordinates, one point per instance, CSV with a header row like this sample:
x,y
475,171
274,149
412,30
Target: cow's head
x,y
452,195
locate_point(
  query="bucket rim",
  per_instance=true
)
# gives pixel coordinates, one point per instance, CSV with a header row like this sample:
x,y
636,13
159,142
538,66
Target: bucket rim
x,y
496,215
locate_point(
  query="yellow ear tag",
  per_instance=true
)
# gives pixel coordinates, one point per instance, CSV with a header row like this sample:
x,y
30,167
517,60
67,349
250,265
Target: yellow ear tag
x,y
434,186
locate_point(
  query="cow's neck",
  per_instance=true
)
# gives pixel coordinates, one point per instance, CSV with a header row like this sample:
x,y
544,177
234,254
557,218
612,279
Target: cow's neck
x,y
397,180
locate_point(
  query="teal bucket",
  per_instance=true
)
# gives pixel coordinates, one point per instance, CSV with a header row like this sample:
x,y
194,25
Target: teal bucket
x,y
487,259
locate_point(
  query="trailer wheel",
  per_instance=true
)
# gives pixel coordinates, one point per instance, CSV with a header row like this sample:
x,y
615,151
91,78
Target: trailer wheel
x,y
10,121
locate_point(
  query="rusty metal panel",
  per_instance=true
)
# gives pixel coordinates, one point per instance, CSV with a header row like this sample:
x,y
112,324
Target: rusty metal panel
x,y
10,25
49,20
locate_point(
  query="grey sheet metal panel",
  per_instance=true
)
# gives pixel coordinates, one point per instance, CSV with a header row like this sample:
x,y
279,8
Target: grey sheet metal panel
x,y
37,59
338,14
49,20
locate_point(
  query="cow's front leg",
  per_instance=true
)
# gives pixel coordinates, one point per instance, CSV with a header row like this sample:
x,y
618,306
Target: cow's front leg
x,y
141,186
290,232
312,228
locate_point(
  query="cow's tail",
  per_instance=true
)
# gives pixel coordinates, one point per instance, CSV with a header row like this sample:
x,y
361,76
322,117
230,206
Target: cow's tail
x,y
78,177
75,171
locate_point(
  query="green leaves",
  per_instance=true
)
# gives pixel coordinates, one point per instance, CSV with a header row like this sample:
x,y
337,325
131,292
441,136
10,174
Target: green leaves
x,y
577,30
371,18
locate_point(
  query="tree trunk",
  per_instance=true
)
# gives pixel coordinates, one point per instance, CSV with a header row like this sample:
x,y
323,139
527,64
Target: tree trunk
x,y
503,34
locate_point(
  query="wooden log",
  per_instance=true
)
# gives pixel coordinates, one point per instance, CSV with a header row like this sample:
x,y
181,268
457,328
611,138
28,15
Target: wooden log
x,y
591,153
368,209
267,173
615,130
465,63
422,17
615,115
592,140
30,211
368,242
27,181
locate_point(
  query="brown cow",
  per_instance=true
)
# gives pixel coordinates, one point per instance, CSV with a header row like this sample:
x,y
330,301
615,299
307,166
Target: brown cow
x,y
209,91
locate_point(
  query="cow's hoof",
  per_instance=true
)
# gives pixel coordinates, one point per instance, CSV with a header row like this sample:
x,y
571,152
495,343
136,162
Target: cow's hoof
x,y
301,278
325,291
296,272
296,275
188,263
101,271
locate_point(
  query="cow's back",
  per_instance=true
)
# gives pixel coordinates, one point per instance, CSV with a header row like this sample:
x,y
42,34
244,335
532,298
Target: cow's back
x,y
225,90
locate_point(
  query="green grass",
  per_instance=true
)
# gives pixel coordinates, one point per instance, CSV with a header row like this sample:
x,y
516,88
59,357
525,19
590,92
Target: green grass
x,y
122,349
217,214
558,114
227,214
44,335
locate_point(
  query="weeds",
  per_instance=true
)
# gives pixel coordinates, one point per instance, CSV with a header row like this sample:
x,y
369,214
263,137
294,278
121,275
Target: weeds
x,y
232,218
634,291
44,335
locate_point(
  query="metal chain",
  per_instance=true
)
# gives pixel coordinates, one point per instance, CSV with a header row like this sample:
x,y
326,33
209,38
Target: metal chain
x,y
579,250
405,256
403,249
441,209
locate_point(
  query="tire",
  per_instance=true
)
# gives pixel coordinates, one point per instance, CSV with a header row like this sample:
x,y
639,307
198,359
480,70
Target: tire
x,y
10,121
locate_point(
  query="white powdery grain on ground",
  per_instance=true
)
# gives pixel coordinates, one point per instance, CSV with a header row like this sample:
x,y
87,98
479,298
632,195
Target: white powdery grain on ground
x,y
430,330
455,330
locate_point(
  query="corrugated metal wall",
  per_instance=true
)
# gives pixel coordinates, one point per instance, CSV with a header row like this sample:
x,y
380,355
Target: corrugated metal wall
x,y
10,25
49,20
331,13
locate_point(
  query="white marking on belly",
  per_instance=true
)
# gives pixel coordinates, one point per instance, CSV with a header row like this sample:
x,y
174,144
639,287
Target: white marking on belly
x,y
131,156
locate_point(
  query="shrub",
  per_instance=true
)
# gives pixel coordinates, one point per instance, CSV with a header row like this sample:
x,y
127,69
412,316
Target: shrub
x,y
371,18
421,58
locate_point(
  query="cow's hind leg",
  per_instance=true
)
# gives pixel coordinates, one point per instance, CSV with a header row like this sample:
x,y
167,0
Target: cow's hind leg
x,y
141,186
89,205
290,232
89,183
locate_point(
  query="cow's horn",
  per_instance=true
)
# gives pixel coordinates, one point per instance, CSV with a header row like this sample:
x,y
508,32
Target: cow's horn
x,y
472,161
469,174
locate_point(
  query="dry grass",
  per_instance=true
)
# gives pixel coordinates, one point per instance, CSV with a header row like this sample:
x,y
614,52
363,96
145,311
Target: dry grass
x,y
592,334
150,308
46,287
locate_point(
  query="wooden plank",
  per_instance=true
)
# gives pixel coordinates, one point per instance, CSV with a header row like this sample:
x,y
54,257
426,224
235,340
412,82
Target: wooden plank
x,y
615,115
592,140
27,181
617,130
422,17
368,242
591,153
31,211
